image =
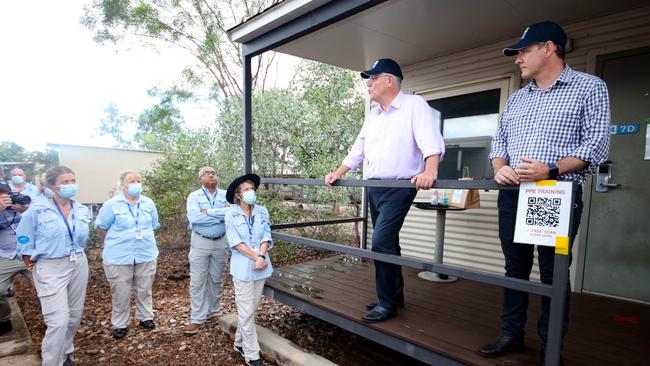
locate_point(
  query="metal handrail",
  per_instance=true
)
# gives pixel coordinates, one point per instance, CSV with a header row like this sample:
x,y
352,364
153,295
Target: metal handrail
x,y
556,291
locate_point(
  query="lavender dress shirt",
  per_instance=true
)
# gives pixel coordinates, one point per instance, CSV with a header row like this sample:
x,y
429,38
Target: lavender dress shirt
x,y
396,142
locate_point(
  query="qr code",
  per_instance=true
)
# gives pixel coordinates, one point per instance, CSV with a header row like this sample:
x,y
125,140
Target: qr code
x,y
543,211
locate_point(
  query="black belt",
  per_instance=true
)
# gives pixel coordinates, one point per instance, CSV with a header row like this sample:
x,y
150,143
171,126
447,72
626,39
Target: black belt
x,y
209,238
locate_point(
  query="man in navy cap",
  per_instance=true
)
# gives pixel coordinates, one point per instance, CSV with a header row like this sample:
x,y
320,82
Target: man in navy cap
x,y
400,140
556,127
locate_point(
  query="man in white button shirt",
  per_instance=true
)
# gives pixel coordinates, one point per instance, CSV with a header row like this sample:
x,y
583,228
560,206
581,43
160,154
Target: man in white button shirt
x,y
400,140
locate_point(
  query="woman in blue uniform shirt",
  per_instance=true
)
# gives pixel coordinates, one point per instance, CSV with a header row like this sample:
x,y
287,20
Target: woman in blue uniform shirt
x,y
126,224
248,230
51,239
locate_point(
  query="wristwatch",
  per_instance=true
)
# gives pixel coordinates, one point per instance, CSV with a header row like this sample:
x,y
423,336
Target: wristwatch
x,y
553,171
261,256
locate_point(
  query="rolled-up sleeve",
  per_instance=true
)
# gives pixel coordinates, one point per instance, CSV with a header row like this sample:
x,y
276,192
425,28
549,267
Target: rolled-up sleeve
x,y
426,133
231,231
267,229
194,214
105,217
499,145
594,146
155,224
356,154
26,233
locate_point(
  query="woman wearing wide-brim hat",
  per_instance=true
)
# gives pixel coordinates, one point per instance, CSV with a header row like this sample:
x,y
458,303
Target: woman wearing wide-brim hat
x,y
248,230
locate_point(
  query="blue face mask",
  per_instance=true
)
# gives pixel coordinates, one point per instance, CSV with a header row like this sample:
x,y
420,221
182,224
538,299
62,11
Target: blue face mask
x,y
249,197
68,190
47,192
17,179
134,189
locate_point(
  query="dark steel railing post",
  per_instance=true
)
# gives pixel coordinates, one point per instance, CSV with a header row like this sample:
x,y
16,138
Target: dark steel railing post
x,y
364,226
559,295
248,116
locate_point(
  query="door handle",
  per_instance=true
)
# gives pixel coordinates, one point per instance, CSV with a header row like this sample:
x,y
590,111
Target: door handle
x,y
603,177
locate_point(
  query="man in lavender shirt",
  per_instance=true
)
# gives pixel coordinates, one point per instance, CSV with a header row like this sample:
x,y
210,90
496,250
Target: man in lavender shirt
x,y
400,140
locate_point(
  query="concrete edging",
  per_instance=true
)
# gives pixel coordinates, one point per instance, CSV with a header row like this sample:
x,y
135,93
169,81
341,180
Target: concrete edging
x,y
281,350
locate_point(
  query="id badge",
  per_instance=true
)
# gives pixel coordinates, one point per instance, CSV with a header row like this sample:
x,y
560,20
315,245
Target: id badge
x,y
73,256
138,235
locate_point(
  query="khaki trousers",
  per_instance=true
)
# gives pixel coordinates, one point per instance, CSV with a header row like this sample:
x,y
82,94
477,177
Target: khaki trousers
x,y
9,268
122,279
61,287
208,260
247,298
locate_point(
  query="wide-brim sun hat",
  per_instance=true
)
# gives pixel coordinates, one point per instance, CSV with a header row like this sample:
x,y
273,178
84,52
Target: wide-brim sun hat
x,y
232,188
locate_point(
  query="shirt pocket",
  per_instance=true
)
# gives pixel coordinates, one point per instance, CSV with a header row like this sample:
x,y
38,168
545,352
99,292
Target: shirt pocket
x,y
82,230
123,219
563,130
48,226
146,217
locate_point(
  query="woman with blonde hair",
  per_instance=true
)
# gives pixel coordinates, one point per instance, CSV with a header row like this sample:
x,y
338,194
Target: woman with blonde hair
x,y
51,238
248,229
126,223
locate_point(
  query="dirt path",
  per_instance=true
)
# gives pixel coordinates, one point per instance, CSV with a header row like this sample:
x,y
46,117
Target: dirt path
x,y
166,345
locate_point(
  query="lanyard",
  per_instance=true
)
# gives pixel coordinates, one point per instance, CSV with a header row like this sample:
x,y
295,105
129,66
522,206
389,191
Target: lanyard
x,y
135,217
250,227
212,201
74,222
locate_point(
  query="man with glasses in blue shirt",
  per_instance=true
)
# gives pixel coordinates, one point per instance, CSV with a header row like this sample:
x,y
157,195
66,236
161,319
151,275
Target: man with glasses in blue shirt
x,y
208,255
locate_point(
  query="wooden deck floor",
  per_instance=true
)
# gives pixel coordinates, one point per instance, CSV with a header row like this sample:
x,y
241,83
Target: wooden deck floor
x,y
455,319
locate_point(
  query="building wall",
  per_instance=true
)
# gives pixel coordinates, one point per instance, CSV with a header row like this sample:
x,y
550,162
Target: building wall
x,y
472,236
97,169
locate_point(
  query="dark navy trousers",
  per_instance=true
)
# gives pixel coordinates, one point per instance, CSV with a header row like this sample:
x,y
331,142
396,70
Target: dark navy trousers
x,y
519,263
388,208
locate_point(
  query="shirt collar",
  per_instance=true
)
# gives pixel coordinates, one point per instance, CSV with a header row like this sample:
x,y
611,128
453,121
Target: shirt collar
x,y
566,76
123,198
395,104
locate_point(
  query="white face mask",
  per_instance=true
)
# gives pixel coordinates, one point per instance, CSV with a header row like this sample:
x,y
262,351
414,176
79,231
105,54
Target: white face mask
x,y
249,197
17,179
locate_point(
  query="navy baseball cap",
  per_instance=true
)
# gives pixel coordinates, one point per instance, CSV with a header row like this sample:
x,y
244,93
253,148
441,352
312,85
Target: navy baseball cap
x,y
383,65
536,33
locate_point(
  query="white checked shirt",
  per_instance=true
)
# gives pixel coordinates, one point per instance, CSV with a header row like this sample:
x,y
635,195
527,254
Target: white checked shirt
x,y
571,118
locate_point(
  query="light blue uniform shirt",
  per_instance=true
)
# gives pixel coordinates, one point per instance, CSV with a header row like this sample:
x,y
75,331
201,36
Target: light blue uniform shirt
x,y
29,190
211,225
253,232
42,232
118,217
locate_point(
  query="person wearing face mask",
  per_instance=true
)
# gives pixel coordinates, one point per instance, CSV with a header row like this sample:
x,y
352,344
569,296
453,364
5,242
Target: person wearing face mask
x,y
20,185
51,238
248,230
208,248
11,264
126,223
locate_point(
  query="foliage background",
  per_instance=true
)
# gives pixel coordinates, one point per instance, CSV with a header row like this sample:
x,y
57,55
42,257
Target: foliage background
x,y
302,130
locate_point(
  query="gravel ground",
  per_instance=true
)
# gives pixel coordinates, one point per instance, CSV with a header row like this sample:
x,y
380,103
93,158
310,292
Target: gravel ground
x,y
167,345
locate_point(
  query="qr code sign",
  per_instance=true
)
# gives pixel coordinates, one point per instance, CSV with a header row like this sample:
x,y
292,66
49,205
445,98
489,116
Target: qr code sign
x,y
543,211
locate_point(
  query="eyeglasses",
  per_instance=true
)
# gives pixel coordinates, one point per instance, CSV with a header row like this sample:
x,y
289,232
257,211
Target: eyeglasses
x,y
371,80
209,173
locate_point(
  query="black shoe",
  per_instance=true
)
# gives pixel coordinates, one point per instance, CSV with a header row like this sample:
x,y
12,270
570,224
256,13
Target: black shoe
x,y
371,305
239,349
147,324
379,314
257,362
502,346
5,327
119,333
10,292
69,360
